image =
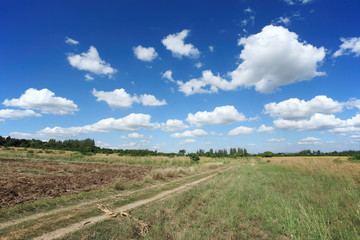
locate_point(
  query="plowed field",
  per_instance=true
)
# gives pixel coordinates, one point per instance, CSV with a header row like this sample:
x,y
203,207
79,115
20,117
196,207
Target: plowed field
x,y
24,180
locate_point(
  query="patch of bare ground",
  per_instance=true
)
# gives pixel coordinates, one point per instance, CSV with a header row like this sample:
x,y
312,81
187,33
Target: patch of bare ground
x,y
24,180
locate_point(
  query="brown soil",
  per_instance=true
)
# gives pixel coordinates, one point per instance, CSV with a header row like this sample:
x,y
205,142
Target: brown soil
x,y
24,180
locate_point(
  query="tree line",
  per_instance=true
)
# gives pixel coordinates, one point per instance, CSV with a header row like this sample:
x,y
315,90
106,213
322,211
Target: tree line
x,y
88,147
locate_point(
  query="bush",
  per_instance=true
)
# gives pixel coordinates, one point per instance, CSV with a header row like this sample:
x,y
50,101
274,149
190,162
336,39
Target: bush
x,y
194,157
268,154
356,158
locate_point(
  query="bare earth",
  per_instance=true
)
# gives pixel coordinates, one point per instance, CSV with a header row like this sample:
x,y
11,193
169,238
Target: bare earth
x,y
24,180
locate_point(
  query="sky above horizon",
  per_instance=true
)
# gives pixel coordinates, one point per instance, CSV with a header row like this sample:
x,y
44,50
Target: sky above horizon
x,y
277,75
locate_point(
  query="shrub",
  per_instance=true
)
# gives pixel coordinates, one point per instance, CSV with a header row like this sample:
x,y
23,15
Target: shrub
x,y
356,158
268,154
194,157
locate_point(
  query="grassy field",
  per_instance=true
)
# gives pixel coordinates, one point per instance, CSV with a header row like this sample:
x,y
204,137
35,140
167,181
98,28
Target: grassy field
x,y
286,198
60,155
269,198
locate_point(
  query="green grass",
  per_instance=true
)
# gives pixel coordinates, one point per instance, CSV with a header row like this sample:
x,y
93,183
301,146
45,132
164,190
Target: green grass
x,y
252,201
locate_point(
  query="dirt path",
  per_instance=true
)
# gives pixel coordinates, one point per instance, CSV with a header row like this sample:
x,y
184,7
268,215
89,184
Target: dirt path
x,y
163,195
92,202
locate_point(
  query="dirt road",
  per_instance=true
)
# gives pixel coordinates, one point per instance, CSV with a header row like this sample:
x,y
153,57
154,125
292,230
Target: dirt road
x,y
166,194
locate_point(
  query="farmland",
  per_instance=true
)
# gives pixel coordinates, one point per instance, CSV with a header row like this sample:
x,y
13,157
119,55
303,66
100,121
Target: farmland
x,y
58,193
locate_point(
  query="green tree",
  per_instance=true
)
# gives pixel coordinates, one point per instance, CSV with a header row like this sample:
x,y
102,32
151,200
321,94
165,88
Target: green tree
x,y
268,154
182,152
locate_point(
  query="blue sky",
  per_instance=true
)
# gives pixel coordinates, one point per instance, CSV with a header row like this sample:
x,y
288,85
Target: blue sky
x,y
276,75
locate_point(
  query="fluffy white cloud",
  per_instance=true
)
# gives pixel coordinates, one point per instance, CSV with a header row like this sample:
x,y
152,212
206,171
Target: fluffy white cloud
x,y
220,115
168,75
276,140
145,54
131,123
349,45
292,2
349,130
17,114
317,122
119,98
198,85
192,134
88,77
71,41
172,125
198,65
211,48
135,135
241,131
265,129
186,141
135,145
150,100
43,100
272,58
295,108
91,61
175,43
309,141
282,20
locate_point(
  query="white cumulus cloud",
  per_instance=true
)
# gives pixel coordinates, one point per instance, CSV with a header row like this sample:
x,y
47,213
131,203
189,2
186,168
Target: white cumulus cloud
x,y
270,59
265,129
292,2
276,140
88,77
145,54
190,134
135,135
241,131
198,65
150,100
309,141
119,98
221,115
295,108
172,125
175,43
43,100
317,122
71,41
348,46
131,123
17,114
186,141
168,76
91,61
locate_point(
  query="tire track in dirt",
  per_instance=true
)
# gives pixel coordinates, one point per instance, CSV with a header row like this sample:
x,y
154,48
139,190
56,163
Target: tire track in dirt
x,y
90,221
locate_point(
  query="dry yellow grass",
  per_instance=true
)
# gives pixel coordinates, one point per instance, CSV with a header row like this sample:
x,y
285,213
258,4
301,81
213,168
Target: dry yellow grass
x,y
330,165
105,158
